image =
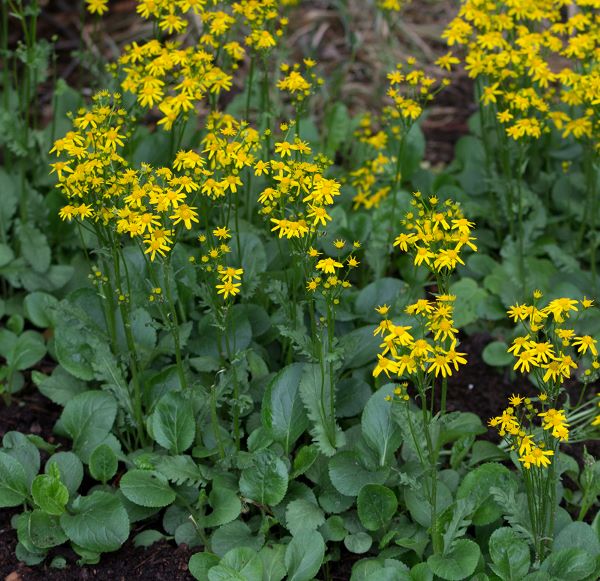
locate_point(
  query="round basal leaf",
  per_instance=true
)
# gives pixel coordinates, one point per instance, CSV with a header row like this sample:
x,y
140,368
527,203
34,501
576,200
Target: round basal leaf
x,y
352,395
382,291
283,413
88,419
304,555
458,563
509,553
266,480
421,572
235,534
103,463
49,493
334,502
147,488
70,468
476,486
273,558
187,534
60,387
579,535
38,307
28,349
378,426
239,563
147,538
348,474
13,482
45,530
571,564
20,447
303,514
201,563
333,529
97,522
226,507
358,543
376,505
496,355
173,424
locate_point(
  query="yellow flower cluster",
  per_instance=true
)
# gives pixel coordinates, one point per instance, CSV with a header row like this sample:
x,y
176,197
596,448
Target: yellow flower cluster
x,y
174,77
436,233
326,276
229,146
517,425
409,89
299,195
171,77
299,84
536,65
148,204
550,348
428,346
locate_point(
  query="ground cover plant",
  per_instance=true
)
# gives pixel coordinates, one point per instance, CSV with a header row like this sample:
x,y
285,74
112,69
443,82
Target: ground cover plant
x,y
248,300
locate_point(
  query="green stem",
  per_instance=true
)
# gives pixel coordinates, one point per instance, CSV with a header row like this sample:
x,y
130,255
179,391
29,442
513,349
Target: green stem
x,y
215,421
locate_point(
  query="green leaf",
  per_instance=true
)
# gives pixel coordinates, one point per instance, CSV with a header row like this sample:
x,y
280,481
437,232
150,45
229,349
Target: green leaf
x,y
304,555
226,507
477,485
266,480
573,564
577,535
273,558
241,563
378,426
28,349
305,458
510,554
97,522
147,488
458,563
496,355
147,538
70,468
45,530
201,563
348,475
235,534
103,463
314,388
358,543
303,514
34,247
376,505
49,493
382,291
60,387
38,307
180,470
13,482
419,507
468,297
173,424
88,419
22,449
282,412
6,255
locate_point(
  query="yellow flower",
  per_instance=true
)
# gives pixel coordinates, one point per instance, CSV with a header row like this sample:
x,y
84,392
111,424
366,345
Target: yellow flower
x,y
228,288
328,265
97,6
584,343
